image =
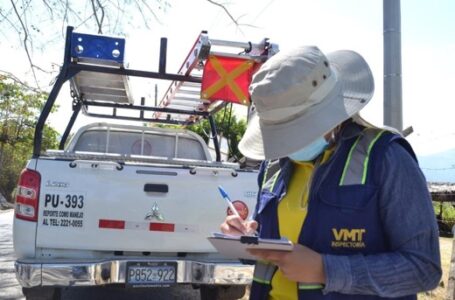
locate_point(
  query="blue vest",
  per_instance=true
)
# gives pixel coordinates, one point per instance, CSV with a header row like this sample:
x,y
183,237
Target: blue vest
x,y
343,209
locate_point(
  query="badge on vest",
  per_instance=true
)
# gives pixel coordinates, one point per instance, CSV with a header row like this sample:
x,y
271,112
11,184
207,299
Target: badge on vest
x,y
348,238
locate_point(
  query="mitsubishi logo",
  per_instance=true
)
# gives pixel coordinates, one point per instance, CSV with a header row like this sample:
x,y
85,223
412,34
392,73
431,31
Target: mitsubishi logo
x,y
154,213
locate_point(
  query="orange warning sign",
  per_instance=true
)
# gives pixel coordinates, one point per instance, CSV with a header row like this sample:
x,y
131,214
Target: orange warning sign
x,y
227,79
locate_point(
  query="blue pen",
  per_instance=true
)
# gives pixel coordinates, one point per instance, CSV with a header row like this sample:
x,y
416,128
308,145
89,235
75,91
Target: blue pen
x,y
231,206
228,200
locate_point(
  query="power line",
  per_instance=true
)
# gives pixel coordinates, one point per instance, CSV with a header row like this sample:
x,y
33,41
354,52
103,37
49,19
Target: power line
x,y
263,10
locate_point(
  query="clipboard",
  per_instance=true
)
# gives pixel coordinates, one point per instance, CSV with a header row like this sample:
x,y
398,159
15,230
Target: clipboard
x,y
236,246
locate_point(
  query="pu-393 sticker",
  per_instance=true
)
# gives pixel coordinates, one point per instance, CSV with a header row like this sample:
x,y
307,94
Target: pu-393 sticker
x,y
63,210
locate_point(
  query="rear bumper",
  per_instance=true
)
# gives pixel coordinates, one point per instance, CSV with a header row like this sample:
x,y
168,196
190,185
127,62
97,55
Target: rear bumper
x,y
32,273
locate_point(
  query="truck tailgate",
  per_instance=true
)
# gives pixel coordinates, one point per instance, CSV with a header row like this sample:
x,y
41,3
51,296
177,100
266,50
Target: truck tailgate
x,y
97,205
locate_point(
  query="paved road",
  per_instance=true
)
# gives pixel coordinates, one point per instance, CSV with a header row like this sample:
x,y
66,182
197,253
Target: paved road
x,y
10,289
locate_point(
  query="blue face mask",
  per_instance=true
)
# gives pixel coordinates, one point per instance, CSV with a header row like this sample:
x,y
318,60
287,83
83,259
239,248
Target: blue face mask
x,y
311,151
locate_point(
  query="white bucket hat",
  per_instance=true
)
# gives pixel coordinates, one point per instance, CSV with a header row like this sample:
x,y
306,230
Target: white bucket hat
x,y
302,94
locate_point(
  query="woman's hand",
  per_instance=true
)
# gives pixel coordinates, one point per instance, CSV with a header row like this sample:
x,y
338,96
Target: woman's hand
x,y
235,225
301,264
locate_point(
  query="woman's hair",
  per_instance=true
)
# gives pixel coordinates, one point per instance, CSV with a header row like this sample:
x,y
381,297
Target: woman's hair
x,y
361,121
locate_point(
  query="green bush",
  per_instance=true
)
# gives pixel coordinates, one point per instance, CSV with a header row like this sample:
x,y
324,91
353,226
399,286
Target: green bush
x,y
448,210
19,110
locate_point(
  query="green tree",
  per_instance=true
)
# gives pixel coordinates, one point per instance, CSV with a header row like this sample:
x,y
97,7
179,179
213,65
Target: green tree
x,y
19,108
228,126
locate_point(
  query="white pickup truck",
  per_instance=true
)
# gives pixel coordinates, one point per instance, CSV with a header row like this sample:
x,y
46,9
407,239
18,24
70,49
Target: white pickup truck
x,y
127,205
133,205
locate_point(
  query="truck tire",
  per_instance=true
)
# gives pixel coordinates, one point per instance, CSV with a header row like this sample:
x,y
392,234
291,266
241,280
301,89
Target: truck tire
x,y
227,292
42,293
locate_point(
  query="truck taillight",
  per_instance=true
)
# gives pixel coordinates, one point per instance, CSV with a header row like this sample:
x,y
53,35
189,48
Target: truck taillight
x,y
27,195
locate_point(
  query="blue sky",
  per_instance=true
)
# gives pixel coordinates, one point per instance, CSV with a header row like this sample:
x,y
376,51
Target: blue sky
x,y
428,44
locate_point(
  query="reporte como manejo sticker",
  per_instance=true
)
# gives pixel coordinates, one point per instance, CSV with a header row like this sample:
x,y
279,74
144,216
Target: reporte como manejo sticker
x,y
63,209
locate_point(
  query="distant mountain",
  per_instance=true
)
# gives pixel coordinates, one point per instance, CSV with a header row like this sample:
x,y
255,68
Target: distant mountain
x,y
439,167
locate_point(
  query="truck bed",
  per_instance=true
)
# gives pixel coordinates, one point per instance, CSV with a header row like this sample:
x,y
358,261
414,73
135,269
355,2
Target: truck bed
x,y
155,207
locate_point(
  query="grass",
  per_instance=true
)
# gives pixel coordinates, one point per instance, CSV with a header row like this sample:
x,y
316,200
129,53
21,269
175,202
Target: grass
x,y
446,254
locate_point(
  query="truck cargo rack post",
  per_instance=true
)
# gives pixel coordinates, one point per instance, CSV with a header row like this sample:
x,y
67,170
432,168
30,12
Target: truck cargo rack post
x,y
77,105
62,77
215,138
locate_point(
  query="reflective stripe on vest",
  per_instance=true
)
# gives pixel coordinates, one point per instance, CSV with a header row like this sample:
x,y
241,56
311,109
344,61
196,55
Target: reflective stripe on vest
x,y
309,286
263,272
271,174
356,166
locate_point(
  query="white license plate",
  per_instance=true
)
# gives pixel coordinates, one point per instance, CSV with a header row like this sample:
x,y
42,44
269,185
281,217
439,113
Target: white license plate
x,y
151,273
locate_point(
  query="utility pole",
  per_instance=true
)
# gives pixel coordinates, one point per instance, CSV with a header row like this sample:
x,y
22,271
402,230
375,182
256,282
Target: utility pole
x,y
393,103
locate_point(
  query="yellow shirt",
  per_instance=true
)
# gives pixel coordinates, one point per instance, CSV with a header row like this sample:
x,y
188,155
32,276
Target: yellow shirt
x,y
292,211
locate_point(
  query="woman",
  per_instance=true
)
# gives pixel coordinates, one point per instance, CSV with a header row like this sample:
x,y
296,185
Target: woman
x,y
350,196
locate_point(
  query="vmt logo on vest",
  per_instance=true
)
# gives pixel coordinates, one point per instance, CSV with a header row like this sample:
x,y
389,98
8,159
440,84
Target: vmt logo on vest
x,y
348,238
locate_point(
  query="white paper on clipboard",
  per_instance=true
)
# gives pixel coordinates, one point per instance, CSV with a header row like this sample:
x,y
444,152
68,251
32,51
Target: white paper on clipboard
x,y
236,246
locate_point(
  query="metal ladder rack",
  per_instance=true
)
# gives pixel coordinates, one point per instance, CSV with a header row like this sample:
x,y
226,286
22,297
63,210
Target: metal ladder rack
x,y
102,87
98,78
187,95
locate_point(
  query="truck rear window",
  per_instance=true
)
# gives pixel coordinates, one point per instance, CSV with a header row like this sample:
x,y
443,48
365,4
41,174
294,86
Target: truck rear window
x,y
138,143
